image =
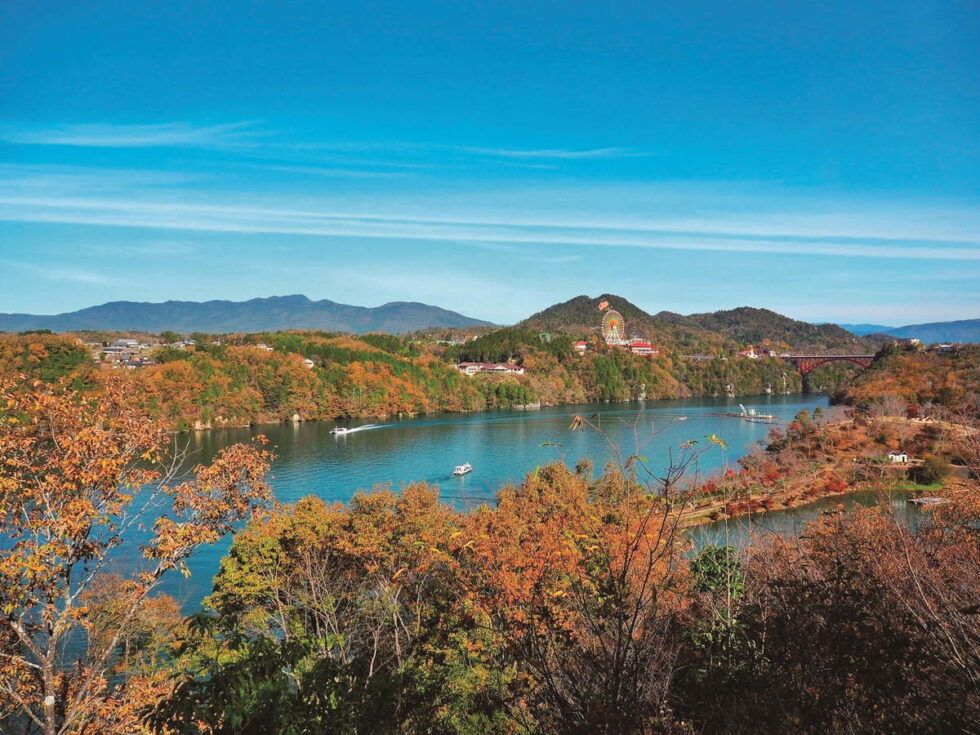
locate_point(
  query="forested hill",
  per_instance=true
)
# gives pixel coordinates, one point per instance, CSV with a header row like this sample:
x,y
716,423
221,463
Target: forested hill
x,y
255,315
582,315
748,325
924,380
583,312
711,332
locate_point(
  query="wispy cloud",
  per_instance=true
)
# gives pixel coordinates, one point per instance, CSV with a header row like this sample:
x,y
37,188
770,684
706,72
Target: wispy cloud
x,y
153,248
551,258
414,148
563,222
519,252
61,274
251,137
331,172
264,219
551,153
108,135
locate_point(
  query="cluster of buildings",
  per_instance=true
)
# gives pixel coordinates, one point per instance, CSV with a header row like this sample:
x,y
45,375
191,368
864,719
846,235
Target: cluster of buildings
x,y
754,354
498,368
123,353
637,346
134,354
916,344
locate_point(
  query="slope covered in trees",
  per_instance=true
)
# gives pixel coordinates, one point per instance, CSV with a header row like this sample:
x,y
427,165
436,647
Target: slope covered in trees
x,y
718,332
318,375
924,381
581,315
43,357
234,380
747,325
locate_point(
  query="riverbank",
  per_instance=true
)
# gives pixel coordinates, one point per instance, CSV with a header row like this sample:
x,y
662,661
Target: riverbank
x,y
725,509
814,460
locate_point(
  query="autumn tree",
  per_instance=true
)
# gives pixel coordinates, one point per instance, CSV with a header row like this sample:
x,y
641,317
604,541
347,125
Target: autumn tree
x,y
585,581
861,624
81,477
327,618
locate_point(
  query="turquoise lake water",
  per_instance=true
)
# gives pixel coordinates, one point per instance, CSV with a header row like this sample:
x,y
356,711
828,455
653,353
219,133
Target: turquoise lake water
x,y
502,446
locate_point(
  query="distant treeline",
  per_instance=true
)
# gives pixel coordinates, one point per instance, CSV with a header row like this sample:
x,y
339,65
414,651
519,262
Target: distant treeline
x,y
318,375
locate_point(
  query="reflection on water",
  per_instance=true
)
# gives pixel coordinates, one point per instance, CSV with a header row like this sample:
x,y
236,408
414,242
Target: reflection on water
x,y
502,446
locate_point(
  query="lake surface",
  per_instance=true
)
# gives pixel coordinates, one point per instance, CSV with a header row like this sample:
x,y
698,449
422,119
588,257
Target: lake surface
x,y
502,446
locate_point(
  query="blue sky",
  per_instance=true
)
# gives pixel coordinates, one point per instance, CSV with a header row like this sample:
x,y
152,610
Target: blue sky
x,y
821,160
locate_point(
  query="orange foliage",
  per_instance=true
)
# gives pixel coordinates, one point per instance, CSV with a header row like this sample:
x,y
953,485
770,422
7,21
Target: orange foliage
x,y
78,473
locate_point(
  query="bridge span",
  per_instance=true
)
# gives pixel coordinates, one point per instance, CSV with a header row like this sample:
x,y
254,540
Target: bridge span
x,y
806,364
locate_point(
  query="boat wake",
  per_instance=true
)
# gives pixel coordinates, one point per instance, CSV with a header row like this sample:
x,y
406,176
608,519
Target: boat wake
x,y
344,431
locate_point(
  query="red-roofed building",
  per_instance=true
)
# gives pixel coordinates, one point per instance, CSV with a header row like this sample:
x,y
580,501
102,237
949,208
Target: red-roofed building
x,y
581,346
642,347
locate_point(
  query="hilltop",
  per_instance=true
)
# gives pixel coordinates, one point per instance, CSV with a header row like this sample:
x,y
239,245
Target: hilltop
x,y
582,315
255,315
709,332
582,312
748,325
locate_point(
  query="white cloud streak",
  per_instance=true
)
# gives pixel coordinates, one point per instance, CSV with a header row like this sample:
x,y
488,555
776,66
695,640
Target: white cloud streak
x,y
332,172
408,148
107,135
553,153
60,274
257,219
248,134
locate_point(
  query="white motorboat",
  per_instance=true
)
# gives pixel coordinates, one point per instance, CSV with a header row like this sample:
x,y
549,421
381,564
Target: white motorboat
x,y
340,430
462,469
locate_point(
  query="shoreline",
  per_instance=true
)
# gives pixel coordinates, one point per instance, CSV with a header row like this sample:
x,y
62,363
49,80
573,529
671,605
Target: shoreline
x,y
756,507
695,517
526,408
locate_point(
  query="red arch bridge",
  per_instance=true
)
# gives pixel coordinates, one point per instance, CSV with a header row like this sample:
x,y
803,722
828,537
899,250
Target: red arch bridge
x,y
806,364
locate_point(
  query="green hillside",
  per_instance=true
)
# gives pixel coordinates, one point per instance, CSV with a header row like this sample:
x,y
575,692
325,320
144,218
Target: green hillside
x,y
748,325
581,316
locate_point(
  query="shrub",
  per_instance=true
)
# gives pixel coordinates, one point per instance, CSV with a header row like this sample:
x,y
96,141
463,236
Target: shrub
x,y
934,469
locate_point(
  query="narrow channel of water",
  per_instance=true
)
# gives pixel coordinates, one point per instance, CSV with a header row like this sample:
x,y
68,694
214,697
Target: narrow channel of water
x,y
743,531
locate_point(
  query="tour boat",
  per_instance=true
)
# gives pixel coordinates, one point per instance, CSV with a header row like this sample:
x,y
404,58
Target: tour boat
x,y
751,414
462,469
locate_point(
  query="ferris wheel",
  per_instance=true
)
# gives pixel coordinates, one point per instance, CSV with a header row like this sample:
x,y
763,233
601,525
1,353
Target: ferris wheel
x,y
613,327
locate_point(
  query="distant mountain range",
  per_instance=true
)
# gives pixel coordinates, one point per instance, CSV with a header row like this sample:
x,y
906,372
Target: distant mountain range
x,y
744,325
255,315
964,330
